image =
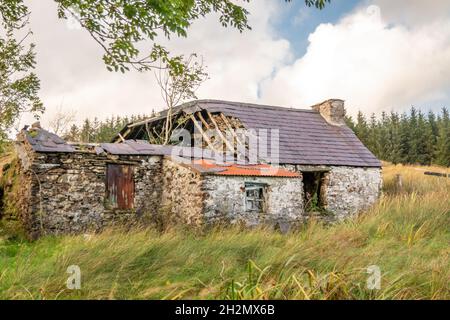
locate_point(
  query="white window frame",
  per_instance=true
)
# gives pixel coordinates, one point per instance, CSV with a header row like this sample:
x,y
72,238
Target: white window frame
x,y
256,201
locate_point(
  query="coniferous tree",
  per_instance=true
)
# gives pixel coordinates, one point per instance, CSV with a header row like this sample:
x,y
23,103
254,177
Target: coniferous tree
x,y
350,123
86,134
361,128
410,138
383,137
442,155
73,134
424,137
394,152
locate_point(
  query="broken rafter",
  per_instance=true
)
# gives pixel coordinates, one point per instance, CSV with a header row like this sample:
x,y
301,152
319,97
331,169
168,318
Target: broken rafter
x,y
227,143
149,133
199,115
199,127
123,137
227,123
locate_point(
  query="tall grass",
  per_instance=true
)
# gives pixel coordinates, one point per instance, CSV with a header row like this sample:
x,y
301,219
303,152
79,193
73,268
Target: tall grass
x,y
407,234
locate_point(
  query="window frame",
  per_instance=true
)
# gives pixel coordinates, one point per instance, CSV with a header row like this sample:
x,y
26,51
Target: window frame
x,y
258,200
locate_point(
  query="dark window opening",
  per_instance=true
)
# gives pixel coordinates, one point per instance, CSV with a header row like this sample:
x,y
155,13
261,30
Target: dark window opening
x,y
255,197
314,191
120,186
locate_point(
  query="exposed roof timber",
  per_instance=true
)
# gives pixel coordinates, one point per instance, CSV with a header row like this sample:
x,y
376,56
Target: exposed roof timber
x,y
227,143
305,137
199,127
146,121
230,128
199,115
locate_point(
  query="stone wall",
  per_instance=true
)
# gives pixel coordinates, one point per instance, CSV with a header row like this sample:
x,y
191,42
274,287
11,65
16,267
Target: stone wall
x,y
225,199
348,190
15,183
332,110
67,191
182,196
351,190
64,193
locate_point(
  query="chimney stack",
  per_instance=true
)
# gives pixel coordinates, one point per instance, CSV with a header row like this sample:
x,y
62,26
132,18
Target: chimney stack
x,y
332,110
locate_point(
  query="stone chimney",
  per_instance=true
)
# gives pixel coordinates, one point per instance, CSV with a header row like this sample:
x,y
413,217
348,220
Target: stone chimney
x,y
332,110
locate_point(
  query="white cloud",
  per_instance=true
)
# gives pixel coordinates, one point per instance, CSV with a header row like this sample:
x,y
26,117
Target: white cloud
x,y
373,62
414,12
73,74
368,62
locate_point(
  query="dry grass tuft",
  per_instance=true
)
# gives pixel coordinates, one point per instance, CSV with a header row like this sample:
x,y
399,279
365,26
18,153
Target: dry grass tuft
x,y
406,234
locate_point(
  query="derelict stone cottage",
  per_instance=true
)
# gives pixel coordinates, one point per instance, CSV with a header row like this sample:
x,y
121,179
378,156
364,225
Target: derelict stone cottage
x,y
321,169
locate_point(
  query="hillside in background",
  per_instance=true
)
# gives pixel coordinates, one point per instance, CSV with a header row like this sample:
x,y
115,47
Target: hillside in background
x,y
406,235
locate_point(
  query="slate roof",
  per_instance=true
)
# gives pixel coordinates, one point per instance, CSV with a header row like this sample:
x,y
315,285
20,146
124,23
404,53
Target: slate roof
x,y
44,141
143,148
305,136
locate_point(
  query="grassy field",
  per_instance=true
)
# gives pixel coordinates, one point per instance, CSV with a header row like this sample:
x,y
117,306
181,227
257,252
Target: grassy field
x,y
407,234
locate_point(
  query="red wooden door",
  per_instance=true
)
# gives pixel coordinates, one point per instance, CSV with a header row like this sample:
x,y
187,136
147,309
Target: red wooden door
x,y
120,186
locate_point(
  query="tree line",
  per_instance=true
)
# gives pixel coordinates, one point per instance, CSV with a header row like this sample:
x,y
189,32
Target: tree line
x,y
408,138
96,131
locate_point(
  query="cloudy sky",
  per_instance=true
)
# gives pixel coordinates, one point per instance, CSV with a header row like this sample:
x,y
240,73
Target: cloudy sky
x,y
375,54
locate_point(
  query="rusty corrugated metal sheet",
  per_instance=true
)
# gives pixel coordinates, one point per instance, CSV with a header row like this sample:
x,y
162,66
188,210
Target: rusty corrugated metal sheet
x,y
232,169
120,186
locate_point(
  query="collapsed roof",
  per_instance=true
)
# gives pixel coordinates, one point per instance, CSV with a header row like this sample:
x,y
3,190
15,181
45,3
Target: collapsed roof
x,y
44,141
200,160
305,137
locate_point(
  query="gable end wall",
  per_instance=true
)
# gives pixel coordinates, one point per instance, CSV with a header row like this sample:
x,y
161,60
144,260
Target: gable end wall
x,y
348,190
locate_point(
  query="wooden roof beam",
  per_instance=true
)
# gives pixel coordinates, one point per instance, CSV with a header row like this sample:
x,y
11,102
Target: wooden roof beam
x,y
199,115
227,143
199,127
228,124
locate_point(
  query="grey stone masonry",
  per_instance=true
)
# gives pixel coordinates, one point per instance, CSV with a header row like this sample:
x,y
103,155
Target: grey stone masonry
x,y
225,200
66,192
182,195
333,111
350,190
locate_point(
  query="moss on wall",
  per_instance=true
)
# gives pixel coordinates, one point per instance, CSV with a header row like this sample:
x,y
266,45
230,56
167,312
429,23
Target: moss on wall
x,y
11,186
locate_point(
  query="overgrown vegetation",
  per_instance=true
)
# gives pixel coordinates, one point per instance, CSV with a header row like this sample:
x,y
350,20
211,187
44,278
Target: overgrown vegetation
x,y
406,234
19,85
10,186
